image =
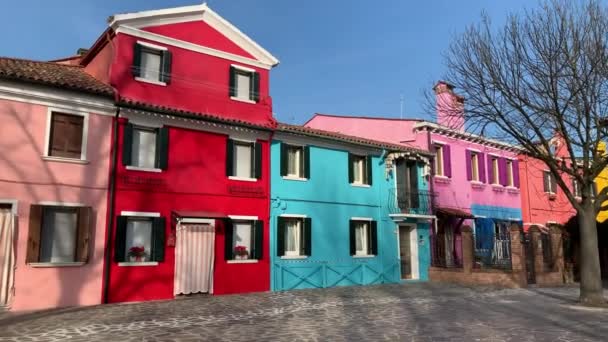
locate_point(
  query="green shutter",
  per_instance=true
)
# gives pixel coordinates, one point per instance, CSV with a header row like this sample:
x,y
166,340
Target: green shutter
x,y
229,157
306,159
228,236
307,236
373,237
136,67
162,148
368,170
255,87
258,160
127,144
352,237
259,240
232,86
120,239
280,236
284,160
165,75
351,176
158,239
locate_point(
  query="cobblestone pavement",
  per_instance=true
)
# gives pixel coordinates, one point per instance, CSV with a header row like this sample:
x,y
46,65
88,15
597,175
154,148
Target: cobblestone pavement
x,y
413,312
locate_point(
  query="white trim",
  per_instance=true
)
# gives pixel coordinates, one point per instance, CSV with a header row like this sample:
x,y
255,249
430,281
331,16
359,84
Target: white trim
x,y
473,150
243,140
413,249
85,130
152,46
243,217
145,80
438,142
55,264
293,215
363,256
187,220
288,257
61,204
190,46
361,185
144,169
242,261
293,178
441,177
242,100
461,135
243,179
476,182
242,68
13,202
418,216
361,219
140,263
65,160
139,214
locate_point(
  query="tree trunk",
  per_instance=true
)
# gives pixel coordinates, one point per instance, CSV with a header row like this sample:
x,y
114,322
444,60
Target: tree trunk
x,y
591,279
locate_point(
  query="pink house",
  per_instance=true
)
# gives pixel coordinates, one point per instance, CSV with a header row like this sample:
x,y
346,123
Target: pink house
x,y
475,179
55,143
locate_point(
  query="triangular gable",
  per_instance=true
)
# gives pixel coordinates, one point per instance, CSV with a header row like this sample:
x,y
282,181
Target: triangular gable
x,y
149,20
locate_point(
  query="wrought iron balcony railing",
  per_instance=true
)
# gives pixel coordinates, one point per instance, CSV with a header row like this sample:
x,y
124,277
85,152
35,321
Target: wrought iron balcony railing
x,y
420,202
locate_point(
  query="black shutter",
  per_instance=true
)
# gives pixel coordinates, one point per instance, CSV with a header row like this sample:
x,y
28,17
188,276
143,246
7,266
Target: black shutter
x,y
280,236
368,159
127,144
401,183
255,87
284,160
121,239
258,160
306,159
414,193
229,157
307,236
352,236
136,67
158,236
232,87
165,75
162,148
351,175
258,239
373,228
228,236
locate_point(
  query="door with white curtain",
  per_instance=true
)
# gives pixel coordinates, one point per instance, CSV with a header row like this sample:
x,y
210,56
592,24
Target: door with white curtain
x,y
7,256
194,257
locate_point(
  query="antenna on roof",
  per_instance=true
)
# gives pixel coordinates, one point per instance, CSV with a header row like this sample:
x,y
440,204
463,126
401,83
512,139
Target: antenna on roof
x,y
401,106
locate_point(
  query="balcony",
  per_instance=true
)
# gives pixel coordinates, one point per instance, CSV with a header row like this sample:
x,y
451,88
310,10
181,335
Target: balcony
x,y
417,202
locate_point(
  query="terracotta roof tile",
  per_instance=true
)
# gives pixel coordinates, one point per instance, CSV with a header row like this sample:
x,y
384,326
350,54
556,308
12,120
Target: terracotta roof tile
x,y
52,74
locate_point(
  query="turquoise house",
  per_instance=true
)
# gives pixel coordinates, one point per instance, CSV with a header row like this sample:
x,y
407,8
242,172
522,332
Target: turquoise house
x,y
346,211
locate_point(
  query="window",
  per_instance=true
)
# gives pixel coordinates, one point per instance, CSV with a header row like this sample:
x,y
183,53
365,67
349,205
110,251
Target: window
x,y
474,167
510,173
145,147
549,182
244,239
363,240
442,164
439,160
295,161
66,136
140,238
495,171
243,160
244,84
360,170
58,234
294,236
151,63
576,188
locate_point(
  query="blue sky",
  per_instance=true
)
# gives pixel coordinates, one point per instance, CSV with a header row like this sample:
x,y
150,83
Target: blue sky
x,y
342,57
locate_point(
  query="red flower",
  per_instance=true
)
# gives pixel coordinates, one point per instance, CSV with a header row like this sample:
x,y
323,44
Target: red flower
x,y
240,250
137,251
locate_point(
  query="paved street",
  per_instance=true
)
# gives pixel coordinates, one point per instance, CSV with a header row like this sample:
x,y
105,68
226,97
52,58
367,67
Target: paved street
x,y
416,312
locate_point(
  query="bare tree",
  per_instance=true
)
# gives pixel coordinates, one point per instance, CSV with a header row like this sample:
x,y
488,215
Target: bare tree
x,y
541,75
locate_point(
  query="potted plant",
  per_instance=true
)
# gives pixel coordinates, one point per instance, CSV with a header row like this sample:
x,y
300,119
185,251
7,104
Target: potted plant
x,y
240,252
137,254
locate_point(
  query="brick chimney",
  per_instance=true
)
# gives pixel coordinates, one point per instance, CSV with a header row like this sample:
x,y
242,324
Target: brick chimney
x,y
450,106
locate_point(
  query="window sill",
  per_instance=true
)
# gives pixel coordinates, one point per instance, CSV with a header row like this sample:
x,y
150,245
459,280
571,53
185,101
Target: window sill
x,y
512,190
294,257
141,263
242,100
477,185
145,80
245,261
361,185
363,256
65,160
498,188
294,178
442,179
55,264
144,169
243,179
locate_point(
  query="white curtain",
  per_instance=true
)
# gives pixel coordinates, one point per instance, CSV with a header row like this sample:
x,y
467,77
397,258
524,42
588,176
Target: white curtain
x,y
139,234
150,66
194,255
361,238
7,257
243,160
143,151
242,86
242,236
293,158
58,238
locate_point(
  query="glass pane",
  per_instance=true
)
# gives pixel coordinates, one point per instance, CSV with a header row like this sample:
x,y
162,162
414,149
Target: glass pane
x,y
242,160
293,161
361,238
242,86
139,236
150,66
358,170
292,238
439,161
58,235
241,239
143,152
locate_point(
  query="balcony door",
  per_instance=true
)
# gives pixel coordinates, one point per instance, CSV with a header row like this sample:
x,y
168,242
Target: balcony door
x,y
407,184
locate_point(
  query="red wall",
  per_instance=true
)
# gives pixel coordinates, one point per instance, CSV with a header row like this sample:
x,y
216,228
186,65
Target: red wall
x,y
195,180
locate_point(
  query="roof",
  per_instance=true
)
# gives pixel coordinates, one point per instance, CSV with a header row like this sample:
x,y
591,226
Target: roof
x,y
465,135
454,212
360,117
63,76
335,136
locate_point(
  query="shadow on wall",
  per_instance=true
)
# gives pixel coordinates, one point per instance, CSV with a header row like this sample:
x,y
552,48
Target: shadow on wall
x,y
572,247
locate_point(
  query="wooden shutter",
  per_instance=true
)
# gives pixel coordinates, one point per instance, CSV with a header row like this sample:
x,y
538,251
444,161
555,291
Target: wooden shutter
x,y
158,239
481,167
412,169
351,175
66,133
280,236
257,160
546,180
368,170
258,239
401,184
502,171
34,229
306,161
120,239
490,170
162,148
468,157
284,159
232,86
307,236
229,157
515,165
352,236
127,144
255,87
228,236
83,235
165,75
373,229
136,67
447,161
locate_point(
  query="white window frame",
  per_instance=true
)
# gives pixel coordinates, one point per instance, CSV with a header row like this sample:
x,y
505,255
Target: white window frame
x,y
439,167
368,226
475,176
577,191
244,70
363,173
300,220
510,173
252,144
141,214
159,49
137,127
495,172
85,134
299,164
551,190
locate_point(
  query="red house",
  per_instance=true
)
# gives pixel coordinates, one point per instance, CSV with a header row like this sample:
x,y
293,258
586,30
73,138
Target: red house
x,y
189,185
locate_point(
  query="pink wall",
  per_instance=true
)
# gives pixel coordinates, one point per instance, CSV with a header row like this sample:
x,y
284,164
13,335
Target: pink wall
x,y
27,178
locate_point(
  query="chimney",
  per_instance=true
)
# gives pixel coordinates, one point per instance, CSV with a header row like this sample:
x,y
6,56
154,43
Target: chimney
x,y
450,106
